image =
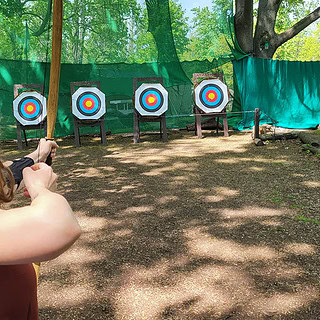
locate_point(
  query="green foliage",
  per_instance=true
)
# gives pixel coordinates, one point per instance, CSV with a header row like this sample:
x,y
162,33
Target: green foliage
x,y
112,31
305,46
180,28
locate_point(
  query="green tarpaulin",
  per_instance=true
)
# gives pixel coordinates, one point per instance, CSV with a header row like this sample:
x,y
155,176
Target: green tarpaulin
x,y
285,91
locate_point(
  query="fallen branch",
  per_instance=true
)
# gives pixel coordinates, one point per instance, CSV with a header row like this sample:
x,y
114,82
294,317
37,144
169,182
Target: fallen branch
x,y
311,142
282,136
310,139
310,148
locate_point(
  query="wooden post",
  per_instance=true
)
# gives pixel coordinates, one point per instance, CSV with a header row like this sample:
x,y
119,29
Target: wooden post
x,y
256,138
136,127
55,67
256,123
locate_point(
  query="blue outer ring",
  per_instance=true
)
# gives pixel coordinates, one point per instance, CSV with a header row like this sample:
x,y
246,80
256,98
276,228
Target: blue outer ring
x,y
217,89
142,99
213,103
84,111
36,114
144,96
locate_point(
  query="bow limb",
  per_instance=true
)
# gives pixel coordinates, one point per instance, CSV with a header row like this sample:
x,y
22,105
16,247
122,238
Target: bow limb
x,y
52,107
55,67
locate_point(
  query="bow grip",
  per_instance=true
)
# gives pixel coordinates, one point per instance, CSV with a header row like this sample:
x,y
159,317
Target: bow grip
x,y
49,158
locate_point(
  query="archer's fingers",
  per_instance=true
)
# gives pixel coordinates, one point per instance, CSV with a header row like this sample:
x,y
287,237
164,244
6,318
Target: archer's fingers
x,y
26,193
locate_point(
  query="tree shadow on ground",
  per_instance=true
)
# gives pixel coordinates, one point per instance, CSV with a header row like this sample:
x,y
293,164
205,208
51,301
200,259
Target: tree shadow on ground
x,y
189,229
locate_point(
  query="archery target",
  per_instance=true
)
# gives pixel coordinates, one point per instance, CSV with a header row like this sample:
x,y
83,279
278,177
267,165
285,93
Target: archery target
x,y
151,99
30,108
88,103
211,95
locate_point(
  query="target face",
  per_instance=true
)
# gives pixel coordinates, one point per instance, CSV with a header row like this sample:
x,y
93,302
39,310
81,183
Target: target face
x,y
211,95
151,99
29,108
88,103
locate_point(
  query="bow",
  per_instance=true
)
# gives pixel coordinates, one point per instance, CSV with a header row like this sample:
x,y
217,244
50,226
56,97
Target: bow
x,y
52,106
55,67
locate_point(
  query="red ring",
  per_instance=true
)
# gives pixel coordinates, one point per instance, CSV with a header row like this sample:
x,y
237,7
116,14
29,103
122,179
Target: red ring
x,y
215,96
84,103
33,110
151,95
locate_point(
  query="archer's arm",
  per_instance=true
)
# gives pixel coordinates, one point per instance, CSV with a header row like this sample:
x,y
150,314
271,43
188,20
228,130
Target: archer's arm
x,y
41,231
44,149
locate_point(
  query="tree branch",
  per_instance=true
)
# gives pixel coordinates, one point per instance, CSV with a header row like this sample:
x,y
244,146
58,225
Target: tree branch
x,y
45,21
299,26
33,14
26,1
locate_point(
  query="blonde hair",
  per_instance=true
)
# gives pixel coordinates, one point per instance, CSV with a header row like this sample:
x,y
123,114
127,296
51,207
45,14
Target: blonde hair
x,y
6,184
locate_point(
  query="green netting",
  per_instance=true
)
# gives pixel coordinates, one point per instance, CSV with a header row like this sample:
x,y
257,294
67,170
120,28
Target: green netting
x,y
111,41
287,92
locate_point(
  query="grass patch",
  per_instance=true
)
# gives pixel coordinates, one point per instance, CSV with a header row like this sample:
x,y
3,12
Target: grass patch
x,y
305,219
275,198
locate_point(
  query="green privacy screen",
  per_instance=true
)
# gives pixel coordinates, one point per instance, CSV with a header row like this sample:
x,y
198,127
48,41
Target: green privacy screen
x,y
285,91
112,41
116,83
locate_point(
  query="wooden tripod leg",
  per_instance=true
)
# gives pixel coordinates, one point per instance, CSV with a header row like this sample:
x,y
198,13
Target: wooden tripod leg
x,y
225,126
19,137
76,133
136,129
103,132
198,125
163,126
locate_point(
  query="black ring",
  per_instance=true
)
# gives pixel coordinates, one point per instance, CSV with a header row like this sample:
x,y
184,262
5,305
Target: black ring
x,y
142,104
85,113
218,88
35,117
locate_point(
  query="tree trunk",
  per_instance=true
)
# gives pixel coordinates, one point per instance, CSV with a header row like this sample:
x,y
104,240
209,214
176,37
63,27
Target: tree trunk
x,y
243,23
265,41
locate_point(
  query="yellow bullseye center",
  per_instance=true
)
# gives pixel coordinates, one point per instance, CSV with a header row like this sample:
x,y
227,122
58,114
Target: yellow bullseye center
x,y
151,100
29,108
211,95
88,104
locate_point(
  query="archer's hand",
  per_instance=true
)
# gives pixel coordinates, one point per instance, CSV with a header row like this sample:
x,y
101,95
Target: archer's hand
x,y
46,148
38,178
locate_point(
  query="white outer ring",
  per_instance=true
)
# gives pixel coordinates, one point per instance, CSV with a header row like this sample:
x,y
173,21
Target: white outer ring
x,y
164,106
95,90
224,89
23,95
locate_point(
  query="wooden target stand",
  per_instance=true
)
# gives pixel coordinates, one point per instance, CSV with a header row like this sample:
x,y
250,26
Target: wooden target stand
x,y
23,128
196,79
77,123
137,117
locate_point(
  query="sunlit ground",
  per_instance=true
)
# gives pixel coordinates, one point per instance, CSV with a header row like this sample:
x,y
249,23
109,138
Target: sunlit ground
x,y
189,229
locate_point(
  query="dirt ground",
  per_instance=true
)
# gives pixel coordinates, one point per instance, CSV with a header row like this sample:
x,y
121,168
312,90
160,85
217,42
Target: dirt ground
x,y
191,229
